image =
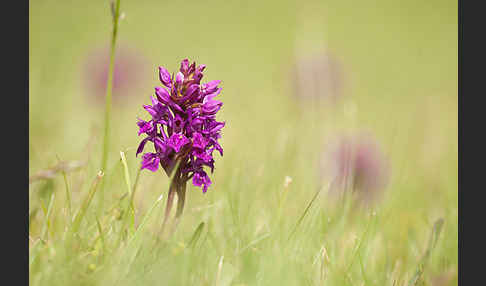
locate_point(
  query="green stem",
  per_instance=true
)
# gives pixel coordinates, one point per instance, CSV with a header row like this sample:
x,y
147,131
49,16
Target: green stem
x,y
181,199
176,184
68,193
109,91
168,208
305,212
136,181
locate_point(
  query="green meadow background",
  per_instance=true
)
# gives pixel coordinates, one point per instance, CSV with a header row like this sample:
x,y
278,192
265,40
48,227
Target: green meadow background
x,y
400,64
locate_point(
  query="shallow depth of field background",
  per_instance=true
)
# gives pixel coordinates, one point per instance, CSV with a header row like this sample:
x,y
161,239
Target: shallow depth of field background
x,y
399,84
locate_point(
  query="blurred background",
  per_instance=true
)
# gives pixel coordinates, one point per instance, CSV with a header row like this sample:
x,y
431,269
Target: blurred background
x,y
299,78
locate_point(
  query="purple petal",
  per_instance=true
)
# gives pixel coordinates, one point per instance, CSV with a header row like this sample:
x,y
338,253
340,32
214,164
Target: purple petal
x,y
191,91
154,101
200,68
192,68
217,147
162,131
178,123
217,127
141,146
209,96
198,141
164,77
210,87
211,107
202,154
176,107
201,179
177,141
184,66
179,78
159,144
150,162
198,73
162,95
212,84
150,110
144,126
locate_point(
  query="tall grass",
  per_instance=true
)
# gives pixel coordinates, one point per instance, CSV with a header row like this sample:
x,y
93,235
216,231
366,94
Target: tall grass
x,y
115,9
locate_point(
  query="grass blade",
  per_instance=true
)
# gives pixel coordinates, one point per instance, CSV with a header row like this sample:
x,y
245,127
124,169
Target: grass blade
x,y
365,235
434,236
305,212
34,252
147,216
220,268
255,241
102,236
68,197
196,235
68,193
109,91
130,210
126,173
85,204
45,227
133,247
136,180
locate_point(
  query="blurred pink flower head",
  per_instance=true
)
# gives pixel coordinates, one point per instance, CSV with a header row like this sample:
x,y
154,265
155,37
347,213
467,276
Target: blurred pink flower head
x,y
127,72
317,76
357,164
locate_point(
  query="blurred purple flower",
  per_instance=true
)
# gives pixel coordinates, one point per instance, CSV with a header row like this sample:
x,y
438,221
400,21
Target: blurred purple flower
x,y
183,125
127,71
317,76
356,163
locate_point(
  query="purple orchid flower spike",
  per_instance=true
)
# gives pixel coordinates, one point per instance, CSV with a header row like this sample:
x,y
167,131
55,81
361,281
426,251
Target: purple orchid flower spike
x,y
357,164
183,130
128,72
